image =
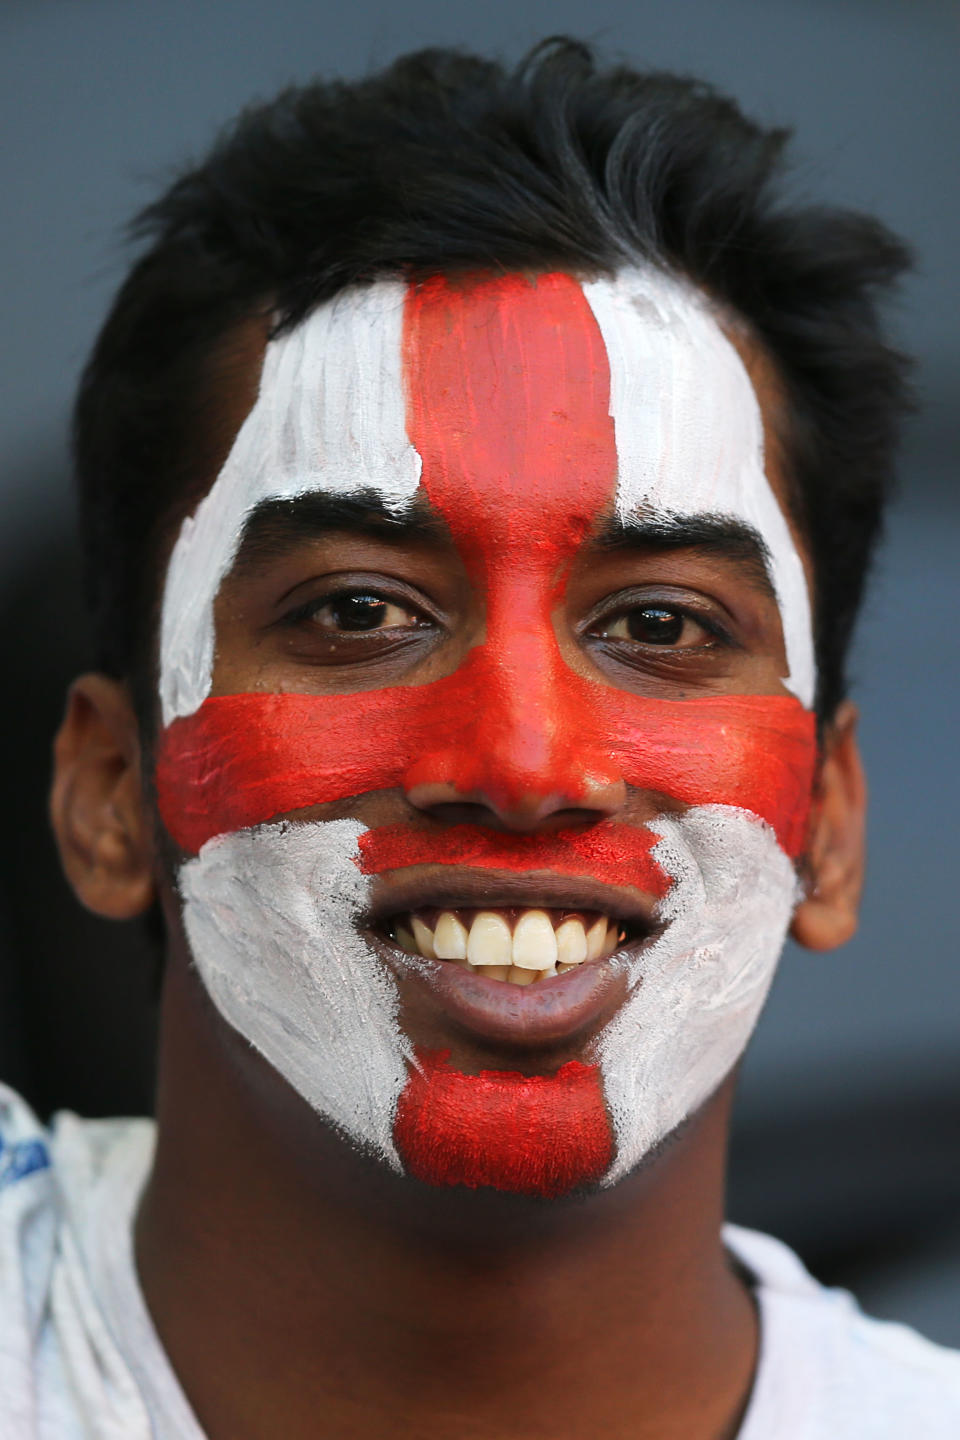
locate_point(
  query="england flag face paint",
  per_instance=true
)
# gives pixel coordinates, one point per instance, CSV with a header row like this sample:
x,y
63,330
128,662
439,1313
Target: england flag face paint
x,y
539,420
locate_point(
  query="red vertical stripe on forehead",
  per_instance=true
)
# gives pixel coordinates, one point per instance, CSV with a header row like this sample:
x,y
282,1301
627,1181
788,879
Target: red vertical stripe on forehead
x,y
508,404
529,1135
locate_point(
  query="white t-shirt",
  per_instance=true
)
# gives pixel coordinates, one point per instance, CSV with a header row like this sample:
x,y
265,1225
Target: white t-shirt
x,y
80,1360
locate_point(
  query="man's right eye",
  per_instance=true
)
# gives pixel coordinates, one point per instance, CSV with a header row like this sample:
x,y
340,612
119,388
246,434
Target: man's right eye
x,y
357,612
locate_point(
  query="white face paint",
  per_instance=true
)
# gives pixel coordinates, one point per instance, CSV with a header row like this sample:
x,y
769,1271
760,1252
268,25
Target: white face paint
x,y
697,992
270,912
330,416
690,432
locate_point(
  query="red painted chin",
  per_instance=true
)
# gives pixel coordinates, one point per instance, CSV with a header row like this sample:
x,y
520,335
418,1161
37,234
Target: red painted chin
x,y
543,1135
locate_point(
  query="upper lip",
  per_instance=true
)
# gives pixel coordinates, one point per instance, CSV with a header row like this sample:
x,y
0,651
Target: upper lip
x,y
450,888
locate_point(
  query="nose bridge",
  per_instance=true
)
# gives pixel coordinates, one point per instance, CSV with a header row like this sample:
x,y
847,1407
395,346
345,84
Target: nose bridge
x,y
508,405
524,736
529,738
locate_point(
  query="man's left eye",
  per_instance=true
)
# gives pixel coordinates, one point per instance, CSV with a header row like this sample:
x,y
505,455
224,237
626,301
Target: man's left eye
x,y
358,612
655,625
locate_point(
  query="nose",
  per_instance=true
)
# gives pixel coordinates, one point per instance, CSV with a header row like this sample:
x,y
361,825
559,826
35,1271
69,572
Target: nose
x,y
516,749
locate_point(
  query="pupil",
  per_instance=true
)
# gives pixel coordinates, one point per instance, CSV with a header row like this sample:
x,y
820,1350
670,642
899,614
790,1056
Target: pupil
x,y
654,626
358,612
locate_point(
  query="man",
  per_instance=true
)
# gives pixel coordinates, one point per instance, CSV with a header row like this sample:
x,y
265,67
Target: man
x,y
479,474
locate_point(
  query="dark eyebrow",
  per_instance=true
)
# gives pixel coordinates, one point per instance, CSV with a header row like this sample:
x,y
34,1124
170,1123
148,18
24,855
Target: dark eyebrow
x,y
275,527
720,535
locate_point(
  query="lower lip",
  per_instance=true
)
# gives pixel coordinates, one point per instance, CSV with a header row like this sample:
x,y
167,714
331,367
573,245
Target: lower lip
x,y
546,1013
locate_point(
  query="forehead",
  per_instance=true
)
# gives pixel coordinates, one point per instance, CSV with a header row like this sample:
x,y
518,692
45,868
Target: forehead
x,y
514,402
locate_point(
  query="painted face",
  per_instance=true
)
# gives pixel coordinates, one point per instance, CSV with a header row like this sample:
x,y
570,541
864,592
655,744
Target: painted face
x,y
528,771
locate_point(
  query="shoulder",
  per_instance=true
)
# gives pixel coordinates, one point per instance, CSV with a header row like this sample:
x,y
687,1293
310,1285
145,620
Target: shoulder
x,y
826,1369
59,1168
55,1352
28,1243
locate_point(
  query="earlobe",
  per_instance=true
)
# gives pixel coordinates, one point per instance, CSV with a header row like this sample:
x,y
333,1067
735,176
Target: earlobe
x,y
834,865
96,802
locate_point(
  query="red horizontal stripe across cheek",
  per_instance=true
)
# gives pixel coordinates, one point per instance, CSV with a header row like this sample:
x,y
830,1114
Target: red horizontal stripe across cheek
x,y
756,752
529,1135
241,760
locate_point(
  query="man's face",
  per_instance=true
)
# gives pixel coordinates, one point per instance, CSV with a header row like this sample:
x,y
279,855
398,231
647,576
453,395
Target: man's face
x,y
486,674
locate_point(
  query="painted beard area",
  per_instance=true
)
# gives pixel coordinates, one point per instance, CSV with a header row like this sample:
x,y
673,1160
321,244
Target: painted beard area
x,y
520,408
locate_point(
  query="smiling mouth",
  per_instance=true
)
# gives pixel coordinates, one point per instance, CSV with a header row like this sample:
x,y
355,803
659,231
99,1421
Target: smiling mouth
x,y
514,945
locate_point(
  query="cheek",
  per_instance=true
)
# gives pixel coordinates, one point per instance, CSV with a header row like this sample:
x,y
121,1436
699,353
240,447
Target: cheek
x,y
271,917
753,752
703,981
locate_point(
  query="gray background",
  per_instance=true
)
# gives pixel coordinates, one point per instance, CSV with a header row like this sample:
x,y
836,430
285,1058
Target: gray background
x,y
849,1122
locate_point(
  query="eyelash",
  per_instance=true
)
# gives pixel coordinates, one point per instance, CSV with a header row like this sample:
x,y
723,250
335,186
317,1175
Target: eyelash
x,y
709,623
311,607
721,636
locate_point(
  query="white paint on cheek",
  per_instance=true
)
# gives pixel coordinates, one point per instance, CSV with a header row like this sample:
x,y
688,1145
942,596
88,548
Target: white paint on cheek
x,y
689,431
330,416
697,992
270,914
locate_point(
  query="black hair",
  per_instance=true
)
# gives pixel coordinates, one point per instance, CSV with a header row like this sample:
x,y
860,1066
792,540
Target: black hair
x,y
445,162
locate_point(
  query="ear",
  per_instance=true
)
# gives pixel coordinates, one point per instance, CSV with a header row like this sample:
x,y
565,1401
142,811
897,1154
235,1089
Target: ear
x,y
97,808
833,870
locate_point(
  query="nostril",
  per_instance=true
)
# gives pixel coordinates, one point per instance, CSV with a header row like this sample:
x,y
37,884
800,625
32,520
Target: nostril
x,y
531,813
461,812
435,795
504,802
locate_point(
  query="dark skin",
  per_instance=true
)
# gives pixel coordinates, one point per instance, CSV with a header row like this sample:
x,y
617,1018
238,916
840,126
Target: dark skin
x,y
303,1290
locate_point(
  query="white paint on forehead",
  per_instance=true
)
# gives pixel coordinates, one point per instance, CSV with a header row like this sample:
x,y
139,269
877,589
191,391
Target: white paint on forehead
x,y
271,917
697,991
330,415
689,431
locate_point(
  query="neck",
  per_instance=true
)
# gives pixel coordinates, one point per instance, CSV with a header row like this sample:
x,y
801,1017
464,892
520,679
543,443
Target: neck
x,y
289,1277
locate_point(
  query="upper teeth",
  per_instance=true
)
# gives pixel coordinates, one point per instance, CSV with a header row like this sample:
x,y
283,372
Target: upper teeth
x,y
537,945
